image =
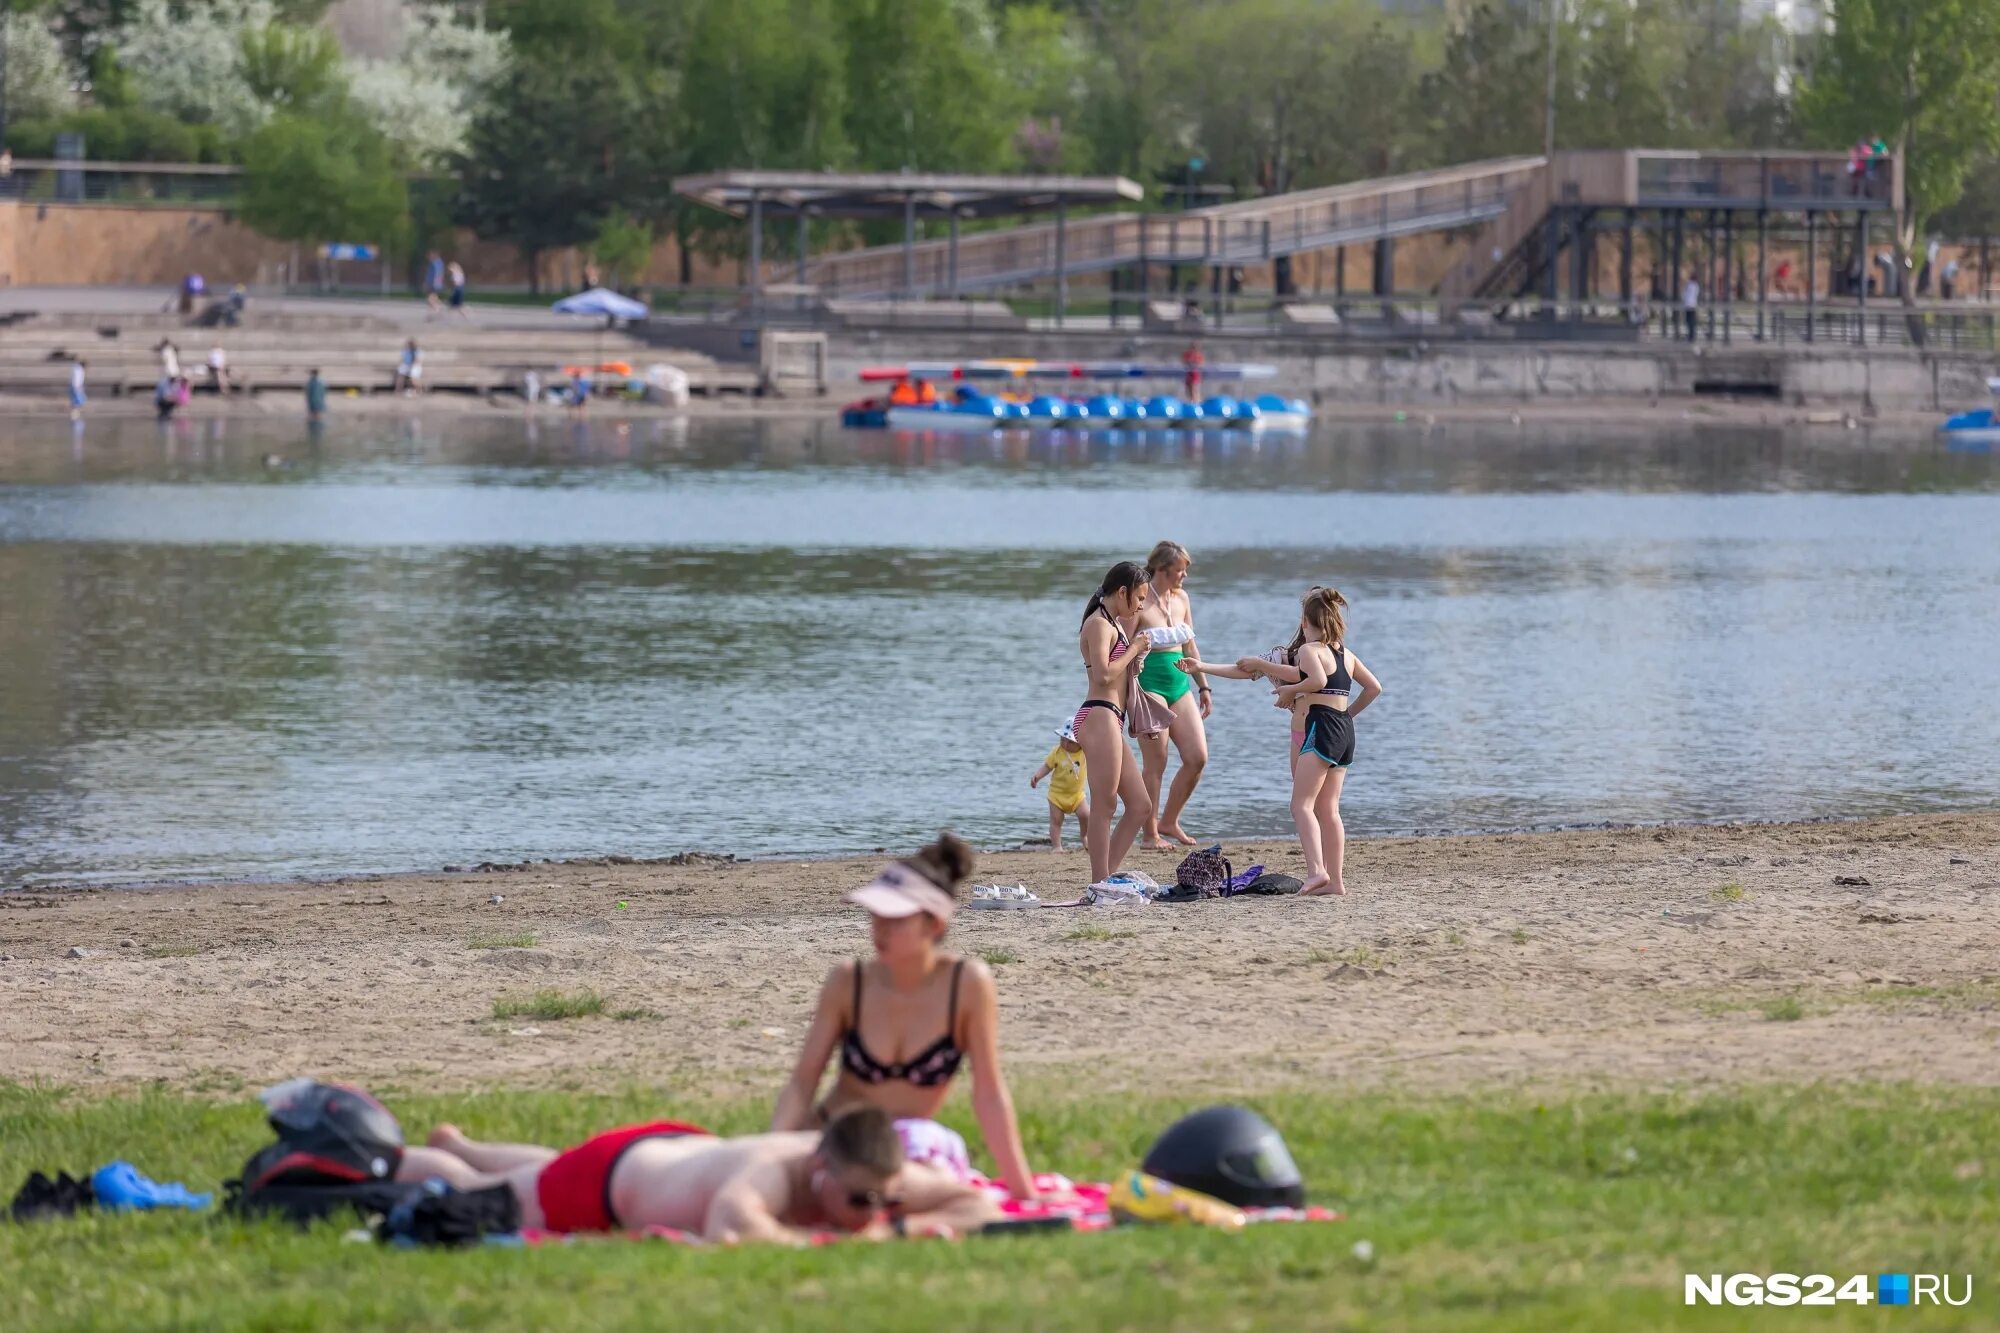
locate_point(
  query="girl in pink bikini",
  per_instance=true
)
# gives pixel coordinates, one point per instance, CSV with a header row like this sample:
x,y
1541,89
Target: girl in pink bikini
x,y
1112,654
1316,679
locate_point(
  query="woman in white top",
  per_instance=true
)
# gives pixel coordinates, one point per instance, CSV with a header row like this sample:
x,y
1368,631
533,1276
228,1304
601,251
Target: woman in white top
x,y
1168,620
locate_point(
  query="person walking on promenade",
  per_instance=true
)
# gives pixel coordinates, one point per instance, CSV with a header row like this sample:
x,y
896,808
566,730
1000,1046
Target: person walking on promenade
x,y
434,282
315,398
79,370
456,275
1690,304
218,370
1191,363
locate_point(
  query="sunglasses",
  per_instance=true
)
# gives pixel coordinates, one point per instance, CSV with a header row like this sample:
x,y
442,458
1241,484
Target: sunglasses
x,y
875,1200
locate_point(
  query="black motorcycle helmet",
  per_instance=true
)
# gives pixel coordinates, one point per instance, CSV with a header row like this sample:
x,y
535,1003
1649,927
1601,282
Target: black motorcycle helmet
x,y
1230,1153
328,1133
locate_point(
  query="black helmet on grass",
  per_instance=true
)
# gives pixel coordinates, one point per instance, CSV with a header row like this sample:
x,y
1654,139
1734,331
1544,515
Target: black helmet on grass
x,y
1230,1153
328,1133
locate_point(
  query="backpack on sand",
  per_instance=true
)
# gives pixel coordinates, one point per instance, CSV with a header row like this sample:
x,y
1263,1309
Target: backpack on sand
x,y
1204,874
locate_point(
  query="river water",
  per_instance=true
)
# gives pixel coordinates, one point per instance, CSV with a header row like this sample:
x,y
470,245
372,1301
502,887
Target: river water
x,y
234,649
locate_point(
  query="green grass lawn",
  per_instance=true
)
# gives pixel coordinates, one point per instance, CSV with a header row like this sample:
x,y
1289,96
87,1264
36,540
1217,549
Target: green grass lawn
x,y
1488,1211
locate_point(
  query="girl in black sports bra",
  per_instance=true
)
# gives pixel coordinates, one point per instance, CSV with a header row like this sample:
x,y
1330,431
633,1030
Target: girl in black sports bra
x,y
1316,684
904,1022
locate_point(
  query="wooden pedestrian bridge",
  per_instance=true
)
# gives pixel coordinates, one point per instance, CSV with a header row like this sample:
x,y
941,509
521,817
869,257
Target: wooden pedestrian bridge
x,y
1519,217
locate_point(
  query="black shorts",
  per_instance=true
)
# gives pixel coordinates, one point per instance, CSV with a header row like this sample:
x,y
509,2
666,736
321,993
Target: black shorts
x,y
1329,735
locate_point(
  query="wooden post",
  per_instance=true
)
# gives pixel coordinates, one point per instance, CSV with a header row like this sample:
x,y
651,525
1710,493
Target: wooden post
x,y
951,248
1763,241
1812,267
756,274
1062,260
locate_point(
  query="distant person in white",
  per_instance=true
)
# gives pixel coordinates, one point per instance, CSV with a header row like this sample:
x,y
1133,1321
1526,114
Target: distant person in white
x,y
77,397
1690,302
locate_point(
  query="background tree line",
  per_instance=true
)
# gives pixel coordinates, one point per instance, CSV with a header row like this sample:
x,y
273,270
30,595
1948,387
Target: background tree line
x,y
551,123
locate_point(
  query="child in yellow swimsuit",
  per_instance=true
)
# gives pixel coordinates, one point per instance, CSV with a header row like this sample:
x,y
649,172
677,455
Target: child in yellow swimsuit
x,y
1064,770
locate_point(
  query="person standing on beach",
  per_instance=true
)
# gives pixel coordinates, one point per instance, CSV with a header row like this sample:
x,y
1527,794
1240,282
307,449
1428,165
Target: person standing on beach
x,y
78,371
1063,767
315,398
1111,660
1168,623
1320,675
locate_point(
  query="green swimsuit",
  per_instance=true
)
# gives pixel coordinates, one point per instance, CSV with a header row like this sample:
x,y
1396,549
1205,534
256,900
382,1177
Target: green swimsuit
x,y
1158,675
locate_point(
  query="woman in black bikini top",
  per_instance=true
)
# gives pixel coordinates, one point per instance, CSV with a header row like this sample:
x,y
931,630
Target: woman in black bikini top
x,y
904,1022
1110,657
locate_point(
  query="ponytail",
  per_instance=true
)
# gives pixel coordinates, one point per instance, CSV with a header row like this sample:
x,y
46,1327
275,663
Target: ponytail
x,y
1124,575
1321,608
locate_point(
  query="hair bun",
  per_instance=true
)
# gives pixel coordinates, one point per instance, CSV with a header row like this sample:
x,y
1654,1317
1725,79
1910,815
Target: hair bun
x,y
948,861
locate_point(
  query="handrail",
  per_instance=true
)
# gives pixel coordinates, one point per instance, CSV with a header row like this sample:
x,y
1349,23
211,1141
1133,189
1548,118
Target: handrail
x,y
1247,231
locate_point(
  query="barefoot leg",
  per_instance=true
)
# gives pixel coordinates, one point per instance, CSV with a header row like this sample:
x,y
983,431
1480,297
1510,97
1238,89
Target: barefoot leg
x,y
1308,775
1190,739
1105,759
490,1158
1138,808
1153,759
1332,830
1055,827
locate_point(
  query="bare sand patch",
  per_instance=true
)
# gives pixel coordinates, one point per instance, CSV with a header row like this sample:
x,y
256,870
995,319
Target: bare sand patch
x,y
1652,957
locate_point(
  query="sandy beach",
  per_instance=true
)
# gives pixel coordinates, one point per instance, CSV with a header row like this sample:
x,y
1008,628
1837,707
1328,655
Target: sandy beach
x,y
1651,957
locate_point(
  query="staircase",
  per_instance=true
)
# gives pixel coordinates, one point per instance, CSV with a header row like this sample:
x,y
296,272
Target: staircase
x,y
1250,231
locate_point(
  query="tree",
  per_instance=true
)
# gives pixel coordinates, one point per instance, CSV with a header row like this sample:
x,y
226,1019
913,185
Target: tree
x,y
1279,94
935,98
1924,75
623,244
37,79
425,96
324,176
556,148
190,65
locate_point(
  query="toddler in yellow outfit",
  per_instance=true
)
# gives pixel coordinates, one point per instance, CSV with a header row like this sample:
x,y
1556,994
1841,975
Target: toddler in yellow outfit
x,y
1064,770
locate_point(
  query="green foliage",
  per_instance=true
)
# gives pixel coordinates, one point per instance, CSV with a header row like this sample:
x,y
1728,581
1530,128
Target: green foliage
x,y
550,1005
622,245
557,148
1487,1211
324,176
928,90
1922,74
291,68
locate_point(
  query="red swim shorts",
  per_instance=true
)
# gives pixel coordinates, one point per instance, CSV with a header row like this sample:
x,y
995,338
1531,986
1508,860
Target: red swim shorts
x,y
575,1189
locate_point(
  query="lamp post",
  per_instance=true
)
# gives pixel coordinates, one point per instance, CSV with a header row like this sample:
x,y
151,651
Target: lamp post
x,y
1549,94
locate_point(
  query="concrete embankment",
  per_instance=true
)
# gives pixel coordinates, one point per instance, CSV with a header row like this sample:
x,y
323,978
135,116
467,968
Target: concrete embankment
x,y
1859,380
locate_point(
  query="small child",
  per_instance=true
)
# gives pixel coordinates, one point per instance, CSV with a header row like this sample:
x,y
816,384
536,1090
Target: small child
x,y
1064,770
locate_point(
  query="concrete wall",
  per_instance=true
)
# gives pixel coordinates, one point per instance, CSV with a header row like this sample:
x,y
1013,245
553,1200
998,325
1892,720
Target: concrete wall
x,y
1855,379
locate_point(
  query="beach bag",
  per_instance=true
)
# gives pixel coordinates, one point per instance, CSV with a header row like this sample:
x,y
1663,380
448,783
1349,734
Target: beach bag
x,y
1204,874
1272,886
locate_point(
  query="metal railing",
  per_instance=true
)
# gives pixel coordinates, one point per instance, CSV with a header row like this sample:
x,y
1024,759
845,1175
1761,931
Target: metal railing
x,y
1251,231
57,181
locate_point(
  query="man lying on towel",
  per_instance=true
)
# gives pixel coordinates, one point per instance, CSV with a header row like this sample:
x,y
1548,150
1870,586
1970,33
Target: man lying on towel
x,y
761,1187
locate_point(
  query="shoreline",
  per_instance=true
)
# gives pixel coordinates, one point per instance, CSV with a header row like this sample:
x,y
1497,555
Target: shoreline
x,y
1650,413
1031,847
1656,957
